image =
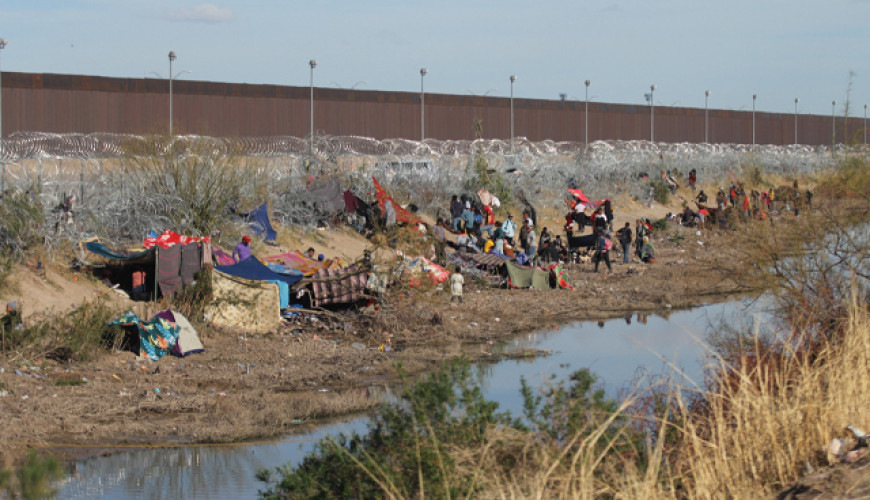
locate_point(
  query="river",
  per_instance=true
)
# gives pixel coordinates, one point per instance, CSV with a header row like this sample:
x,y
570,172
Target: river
x,y
617,351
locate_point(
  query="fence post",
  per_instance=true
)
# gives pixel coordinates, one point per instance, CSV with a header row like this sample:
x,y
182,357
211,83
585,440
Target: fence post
x,y
82,185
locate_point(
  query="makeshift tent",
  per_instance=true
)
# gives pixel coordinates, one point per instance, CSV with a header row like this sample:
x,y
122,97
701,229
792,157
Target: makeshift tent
x,y
338,286
260,224
156,337
166,269
248,305
402,215
253,269
188,341
527,277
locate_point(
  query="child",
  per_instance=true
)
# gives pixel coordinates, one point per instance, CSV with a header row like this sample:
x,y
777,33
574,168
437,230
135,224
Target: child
x,y
456,282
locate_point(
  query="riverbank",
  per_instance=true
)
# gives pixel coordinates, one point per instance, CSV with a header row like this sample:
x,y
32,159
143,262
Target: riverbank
x,y
253,386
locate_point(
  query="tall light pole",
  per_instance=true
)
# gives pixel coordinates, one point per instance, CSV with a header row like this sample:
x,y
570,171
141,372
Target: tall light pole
x,y
513,78
171,59
652,89
706,128
3,43
313,64
586,127
423,72
833,125
796,100
865,124
754,96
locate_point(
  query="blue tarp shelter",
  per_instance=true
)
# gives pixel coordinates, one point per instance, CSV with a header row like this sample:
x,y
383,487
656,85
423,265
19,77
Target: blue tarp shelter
x,y
252,269
101,249
259,223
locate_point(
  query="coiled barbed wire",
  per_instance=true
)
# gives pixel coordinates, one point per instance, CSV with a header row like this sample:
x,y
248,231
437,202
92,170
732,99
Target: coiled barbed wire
x,y
116,206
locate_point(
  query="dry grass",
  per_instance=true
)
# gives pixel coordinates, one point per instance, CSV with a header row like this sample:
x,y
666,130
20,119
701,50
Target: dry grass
x,y
758,431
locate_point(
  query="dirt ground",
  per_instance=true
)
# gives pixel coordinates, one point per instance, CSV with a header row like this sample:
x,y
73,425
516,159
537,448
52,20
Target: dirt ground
x,y
253,386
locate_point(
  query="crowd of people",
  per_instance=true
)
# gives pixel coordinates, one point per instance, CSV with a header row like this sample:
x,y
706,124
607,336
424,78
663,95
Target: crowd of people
x,y
478,231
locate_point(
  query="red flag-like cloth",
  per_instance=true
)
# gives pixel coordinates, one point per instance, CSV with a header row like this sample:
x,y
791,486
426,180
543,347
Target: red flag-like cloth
x,y
401,214
579,195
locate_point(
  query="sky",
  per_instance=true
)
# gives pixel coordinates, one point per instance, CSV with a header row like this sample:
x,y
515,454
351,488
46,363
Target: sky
x,y
813,50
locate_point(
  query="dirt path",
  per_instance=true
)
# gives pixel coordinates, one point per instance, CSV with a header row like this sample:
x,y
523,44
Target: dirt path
x,y
246,387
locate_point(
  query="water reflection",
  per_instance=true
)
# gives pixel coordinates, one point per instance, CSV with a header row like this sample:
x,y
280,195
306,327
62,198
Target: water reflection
x,y
615,350
200,472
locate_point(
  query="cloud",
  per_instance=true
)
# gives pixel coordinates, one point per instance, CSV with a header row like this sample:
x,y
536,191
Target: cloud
x,y
202,13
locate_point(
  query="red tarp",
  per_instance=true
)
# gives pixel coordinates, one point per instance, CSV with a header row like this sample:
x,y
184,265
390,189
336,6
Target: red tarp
x,y
402,215
579,195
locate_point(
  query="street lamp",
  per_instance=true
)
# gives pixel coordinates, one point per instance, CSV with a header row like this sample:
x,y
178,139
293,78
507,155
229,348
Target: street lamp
x,y
313,64
3,43
796,100
706,128
513,79
865,124
833,125
171,59
754,96
586,127
423,72
652,89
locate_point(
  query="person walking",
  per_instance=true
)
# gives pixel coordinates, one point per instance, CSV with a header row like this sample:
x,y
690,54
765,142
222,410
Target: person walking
x,y
602,251
456,283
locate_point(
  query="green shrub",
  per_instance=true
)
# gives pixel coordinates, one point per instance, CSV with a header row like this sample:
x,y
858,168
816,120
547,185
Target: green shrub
x,y
77,335
661,193
410,448
660,225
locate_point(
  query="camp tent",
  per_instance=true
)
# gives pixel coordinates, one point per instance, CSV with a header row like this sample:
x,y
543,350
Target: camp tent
x,y
527,277
156,337
167,270
252,269
188,341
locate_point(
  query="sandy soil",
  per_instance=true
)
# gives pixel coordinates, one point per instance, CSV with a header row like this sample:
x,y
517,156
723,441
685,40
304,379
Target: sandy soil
x,y
246,387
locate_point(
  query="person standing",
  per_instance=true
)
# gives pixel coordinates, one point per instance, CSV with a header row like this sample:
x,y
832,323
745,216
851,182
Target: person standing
x,y
456,283
509,228
456,209
545,238
639,234
389,214
243,249
531,244
602,252
624,235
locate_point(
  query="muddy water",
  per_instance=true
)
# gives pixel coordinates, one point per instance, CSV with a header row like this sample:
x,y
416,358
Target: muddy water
x,y
616,350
